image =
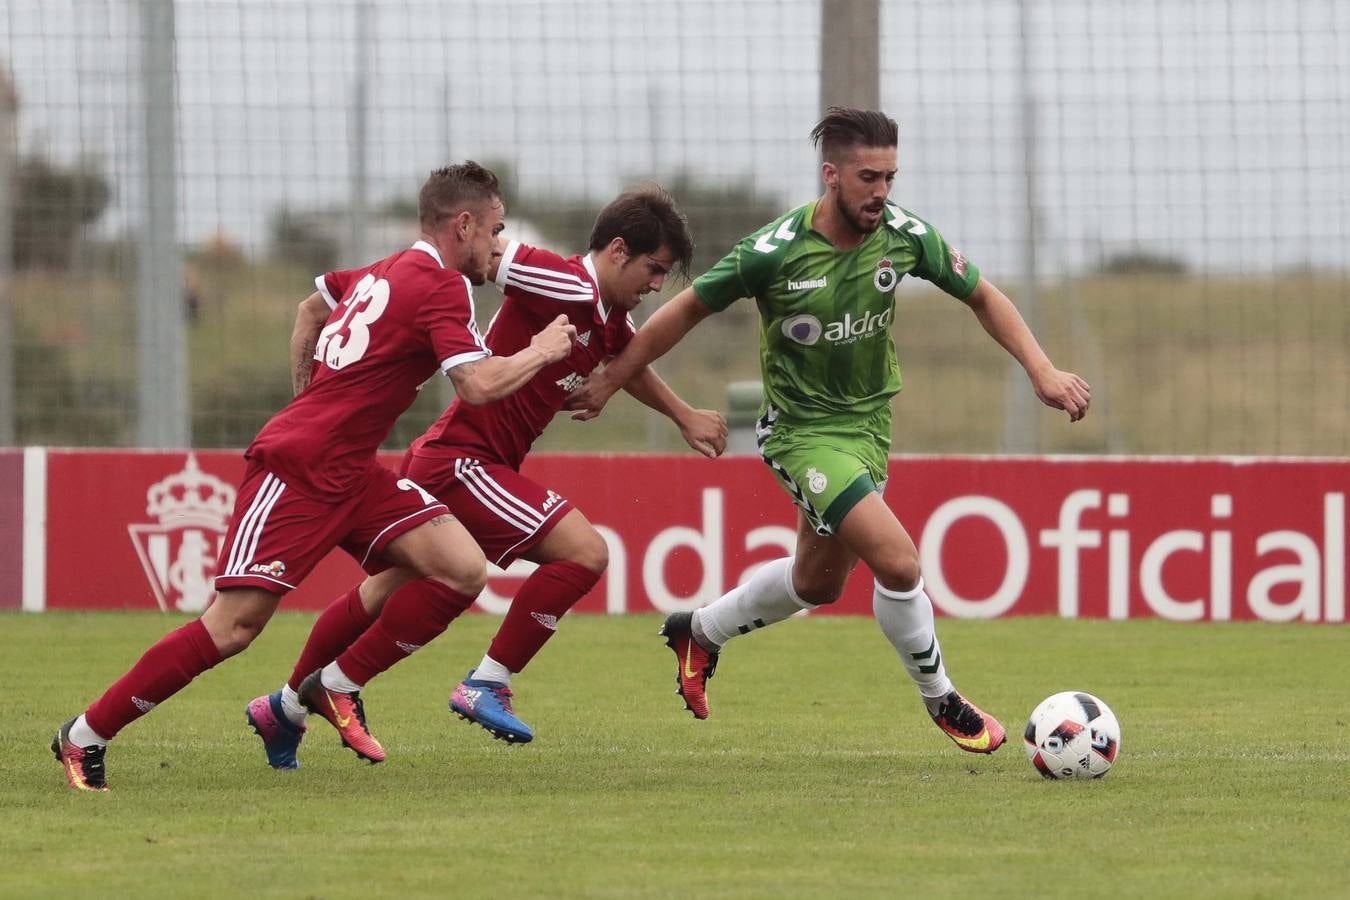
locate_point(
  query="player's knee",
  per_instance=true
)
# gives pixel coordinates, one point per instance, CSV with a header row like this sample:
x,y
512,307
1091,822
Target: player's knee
x,y
898,573
818,590
236,635
593,553
467,577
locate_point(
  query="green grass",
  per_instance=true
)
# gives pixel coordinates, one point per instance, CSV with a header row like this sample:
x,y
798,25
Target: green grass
x,y
817,775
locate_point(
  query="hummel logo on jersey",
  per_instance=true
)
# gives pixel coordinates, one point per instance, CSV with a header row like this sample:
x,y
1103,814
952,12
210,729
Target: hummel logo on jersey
x,y
571,382
548,621
584,339
143,705
808,284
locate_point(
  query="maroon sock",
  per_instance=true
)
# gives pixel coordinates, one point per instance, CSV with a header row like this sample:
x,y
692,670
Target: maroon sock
x,y
411,618
549,592
336,629
162,671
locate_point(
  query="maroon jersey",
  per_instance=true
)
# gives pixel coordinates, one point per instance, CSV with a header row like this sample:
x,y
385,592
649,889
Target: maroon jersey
x,y
399,320
538,285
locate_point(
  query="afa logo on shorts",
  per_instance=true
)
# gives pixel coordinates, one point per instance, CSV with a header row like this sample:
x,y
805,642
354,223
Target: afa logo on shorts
x,y
804,329
816,480
275,569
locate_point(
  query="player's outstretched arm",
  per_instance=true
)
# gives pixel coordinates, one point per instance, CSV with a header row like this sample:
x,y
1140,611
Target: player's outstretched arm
x,y
309,320
496,377
1055,388
703,429
662,331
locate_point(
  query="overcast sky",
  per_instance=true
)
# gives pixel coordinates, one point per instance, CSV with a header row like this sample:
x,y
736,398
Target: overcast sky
x,y
1212,129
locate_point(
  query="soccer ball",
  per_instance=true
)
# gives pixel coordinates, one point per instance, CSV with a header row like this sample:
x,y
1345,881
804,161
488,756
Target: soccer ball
x,y
1072,735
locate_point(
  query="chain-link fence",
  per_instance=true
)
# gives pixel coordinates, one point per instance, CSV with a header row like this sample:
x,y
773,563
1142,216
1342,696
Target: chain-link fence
x,y
1162,186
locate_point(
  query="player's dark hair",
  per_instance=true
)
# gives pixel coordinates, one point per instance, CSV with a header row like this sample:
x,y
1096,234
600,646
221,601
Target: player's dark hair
x,y
452,189
647,220
844,128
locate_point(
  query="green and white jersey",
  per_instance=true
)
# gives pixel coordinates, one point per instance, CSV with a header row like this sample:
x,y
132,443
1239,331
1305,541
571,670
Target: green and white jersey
x,y
825,346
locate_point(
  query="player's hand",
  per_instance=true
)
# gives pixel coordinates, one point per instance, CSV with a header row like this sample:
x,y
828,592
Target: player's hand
x,y
705,431
555,341
587,401
1063,390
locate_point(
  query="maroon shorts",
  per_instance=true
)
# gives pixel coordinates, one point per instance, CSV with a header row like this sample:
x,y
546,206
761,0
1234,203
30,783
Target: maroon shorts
x,y
506,512
277,536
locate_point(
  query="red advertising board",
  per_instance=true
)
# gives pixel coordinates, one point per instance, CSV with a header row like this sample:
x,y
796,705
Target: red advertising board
x,y
1181,539
11,528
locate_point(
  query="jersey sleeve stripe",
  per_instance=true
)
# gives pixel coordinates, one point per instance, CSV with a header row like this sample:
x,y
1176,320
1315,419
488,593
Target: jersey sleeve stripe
x,y
530,283
504,267
549,292
460,358
322,285
523,269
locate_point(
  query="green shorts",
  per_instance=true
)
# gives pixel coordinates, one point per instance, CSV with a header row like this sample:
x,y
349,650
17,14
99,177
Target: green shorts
x,y
827,466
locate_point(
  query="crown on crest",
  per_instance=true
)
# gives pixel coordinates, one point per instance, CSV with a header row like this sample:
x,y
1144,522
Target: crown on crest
x,y
190,494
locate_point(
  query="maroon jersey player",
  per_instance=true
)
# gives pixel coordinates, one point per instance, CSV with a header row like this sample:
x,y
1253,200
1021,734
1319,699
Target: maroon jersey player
x,y
470,460
312,481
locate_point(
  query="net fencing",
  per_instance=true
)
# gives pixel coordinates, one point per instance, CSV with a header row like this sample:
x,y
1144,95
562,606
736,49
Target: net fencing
x,y
1161,186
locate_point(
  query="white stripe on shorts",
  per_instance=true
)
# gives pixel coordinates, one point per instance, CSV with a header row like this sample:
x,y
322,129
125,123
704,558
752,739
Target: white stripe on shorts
x,y
463,468
251,528
494,487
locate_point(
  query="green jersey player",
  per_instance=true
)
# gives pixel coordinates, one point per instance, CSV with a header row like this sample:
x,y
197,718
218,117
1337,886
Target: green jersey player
x,y
824,279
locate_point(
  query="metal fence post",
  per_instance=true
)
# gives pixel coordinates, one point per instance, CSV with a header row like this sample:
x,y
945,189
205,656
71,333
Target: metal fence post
x,y
163,413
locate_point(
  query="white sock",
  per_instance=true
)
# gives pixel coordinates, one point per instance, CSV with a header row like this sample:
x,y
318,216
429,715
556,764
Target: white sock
x,y
906,618
766,597
335,679
491,670
291,706
81,735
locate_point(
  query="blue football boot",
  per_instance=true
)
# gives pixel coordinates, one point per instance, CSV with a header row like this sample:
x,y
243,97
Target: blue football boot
x,y
489,704
280,736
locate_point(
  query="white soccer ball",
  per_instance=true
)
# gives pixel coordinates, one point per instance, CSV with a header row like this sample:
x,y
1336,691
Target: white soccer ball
x,y
1072,735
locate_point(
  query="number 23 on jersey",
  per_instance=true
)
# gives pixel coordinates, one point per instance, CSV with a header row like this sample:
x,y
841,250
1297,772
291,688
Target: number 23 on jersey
x,y
346,339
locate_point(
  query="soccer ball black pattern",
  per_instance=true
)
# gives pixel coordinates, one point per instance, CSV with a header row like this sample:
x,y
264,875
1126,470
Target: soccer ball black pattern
x,y
1072,735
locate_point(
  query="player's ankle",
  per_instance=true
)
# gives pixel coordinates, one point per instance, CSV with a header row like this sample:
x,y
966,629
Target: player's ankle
x,y
701,637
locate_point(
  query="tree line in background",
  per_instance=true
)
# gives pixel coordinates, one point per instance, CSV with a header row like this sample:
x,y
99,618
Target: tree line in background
x,y
1180,363
72,386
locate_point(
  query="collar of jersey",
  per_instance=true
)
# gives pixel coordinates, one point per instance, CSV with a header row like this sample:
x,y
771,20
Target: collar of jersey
x,y
429,251
809,220
600,307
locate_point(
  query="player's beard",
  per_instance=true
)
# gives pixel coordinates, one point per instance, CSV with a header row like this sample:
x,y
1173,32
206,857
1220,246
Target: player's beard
x,y
855,220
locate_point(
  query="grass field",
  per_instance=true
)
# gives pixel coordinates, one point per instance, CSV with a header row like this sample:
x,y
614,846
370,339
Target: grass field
x,y
817,775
